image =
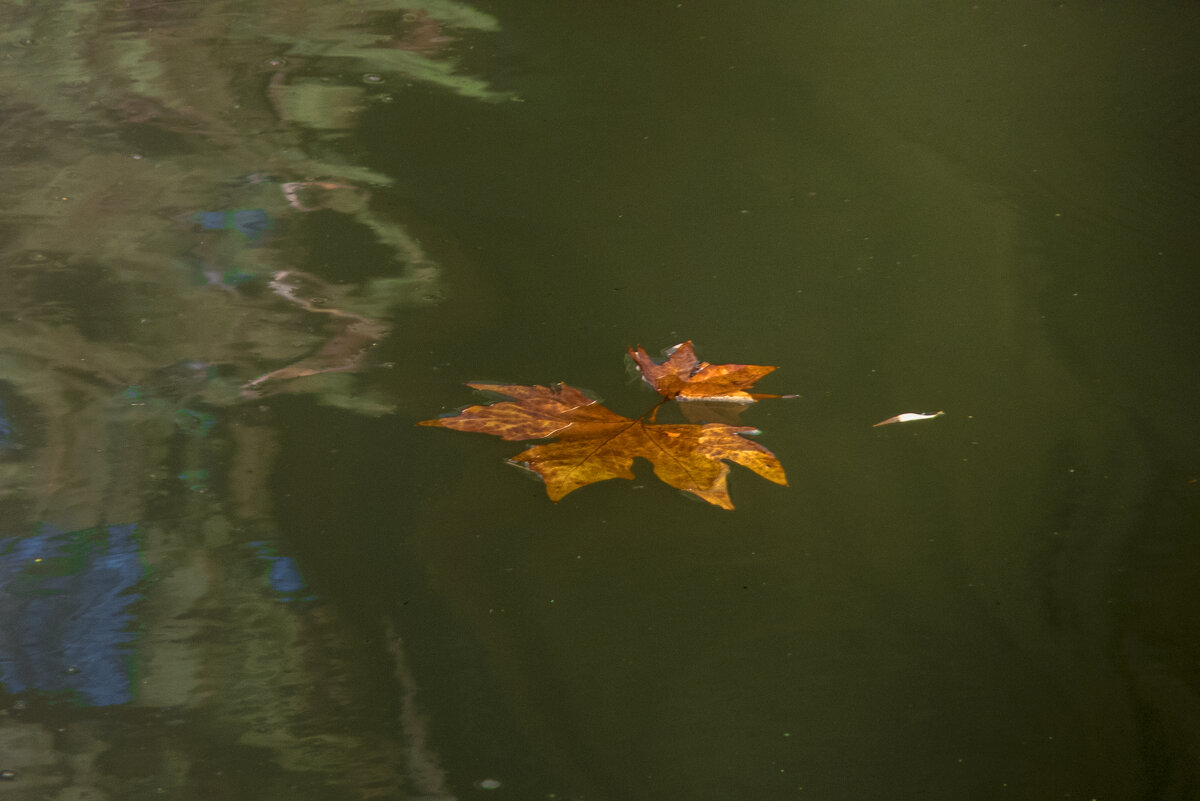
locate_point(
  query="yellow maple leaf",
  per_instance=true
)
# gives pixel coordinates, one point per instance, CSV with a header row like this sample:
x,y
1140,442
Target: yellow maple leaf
x,y
594,443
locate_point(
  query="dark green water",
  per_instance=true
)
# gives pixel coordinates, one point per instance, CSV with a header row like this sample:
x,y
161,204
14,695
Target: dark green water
x,y
232,567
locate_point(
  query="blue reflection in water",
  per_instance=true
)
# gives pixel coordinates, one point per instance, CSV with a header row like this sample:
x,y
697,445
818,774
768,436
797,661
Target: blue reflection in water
x,y
65,624
284,574
250,223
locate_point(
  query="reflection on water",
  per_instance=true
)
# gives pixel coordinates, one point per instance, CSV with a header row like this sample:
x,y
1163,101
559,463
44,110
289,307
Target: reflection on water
x,y
167,170
235,241
64,608
284,576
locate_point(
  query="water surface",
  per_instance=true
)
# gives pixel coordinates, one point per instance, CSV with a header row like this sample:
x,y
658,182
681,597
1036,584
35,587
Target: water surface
x,y
247,246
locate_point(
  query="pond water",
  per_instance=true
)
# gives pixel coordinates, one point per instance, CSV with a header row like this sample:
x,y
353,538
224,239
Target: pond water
x,y
247,245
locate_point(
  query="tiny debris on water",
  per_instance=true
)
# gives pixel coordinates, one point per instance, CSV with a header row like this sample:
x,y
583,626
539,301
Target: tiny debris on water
x,y
908,417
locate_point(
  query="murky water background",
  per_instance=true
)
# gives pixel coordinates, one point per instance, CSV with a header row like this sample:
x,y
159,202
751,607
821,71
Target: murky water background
x,y
245,246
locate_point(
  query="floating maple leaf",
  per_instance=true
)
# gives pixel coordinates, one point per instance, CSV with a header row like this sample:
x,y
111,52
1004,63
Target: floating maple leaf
x,y
684,377
594,443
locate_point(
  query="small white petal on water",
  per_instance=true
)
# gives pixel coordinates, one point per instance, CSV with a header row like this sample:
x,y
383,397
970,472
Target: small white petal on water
x,y
908,417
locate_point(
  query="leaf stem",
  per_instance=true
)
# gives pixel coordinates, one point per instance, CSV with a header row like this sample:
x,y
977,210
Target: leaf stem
x,y
653,412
